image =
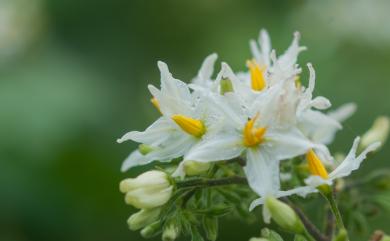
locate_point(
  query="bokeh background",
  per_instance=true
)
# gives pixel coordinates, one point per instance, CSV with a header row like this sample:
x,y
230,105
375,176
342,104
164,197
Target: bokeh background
x,y
73,77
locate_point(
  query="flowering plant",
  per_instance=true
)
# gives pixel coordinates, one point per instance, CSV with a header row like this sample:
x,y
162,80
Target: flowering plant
x,y
228,144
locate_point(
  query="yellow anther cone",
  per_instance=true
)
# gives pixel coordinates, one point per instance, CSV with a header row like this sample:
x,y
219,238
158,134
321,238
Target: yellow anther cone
x,y
253,136
315,165
191,126
257,77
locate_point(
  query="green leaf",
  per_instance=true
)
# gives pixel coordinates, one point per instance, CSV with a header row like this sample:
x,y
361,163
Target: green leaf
x,y
196,236
215,211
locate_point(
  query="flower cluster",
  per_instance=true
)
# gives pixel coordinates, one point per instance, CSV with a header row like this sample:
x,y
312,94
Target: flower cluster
x,y
261,117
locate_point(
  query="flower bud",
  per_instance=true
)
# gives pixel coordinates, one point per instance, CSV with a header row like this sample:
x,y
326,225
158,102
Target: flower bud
x,y
226,86
341,236
143,218
149,190
171,232
284,215
193,168
380,236
144,149
258,239
378,132
151,230
269,234
210,225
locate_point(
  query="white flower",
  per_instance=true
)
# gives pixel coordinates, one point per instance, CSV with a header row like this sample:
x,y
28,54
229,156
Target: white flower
x,y
351,163
149,190
185,119
252,132
267,66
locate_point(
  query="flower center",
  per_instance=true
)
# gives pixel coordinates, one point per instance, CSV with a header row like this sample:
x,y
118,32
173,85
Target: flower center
x,y
252,135
257,77
191,126
315,165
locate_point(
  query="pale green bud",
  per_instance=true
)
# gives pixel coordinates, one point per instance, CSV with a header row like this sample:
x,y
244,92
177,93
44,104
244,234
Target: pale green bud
x,y
385,238
378,132
341,236
210,225
226,86
149,190
270,235
380,236
193,168
144,149
258,239
143,218
151,230
171,232
284,215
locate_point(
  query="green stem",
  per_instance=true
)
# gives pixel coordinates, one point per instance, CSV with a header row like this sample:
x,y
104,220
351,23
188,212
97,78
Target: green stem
x,y
204,182
330,197
307,236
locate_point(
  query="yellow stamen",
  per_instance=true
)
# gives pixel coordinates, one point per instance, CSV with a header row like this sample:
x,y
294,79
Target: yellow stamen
x,y
155,103
191,126
253,136
257,77
315,165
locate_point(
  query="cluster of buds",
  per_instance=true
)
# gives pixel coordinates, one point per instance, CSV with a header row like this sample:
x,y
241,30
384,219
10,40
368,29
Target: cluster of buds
x,y
148,192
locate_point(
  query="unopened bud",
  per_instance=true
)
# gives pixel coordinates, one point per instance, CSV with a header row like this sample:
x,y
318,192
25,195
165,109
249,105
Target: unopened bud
x,y
193,168
144,149
149,190
226,86
284,215
378,132
171,232
379,235
143,218
151,230
269,234
211,228
258,239
385,238
341,236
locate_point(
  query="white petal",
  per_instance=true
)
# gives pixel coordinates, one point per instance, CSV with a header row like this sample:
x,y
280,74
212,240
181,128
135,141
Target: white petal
x,y
265,44
262,172
316,181
134,159
175,96
300,191
173,148
352,162
320,103
207,68
221,147
289,58
343,112
318,126
255,50
285,144
155,134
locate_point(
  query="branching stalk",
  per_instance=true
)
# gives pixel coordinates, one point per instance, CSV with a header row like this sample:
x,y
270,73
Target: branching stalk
x,y
204,182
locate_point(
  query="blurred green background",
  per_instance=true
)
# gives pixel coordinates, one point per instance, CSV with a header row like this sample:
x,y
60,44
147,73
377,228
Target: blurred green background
x,y
73,77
